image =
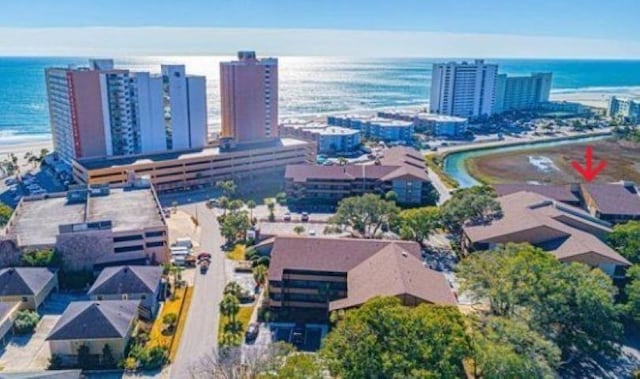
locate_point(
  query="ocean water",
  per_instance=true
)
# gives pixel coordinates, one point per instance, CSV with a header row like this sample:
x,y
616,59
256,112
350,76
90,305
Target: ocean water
x,y
308,85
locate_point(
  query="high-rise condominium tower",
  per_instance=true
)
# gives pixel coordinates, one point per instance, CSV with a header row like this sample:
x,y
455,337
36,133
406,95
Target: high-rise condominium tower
x,y
463,89
100,111
249,98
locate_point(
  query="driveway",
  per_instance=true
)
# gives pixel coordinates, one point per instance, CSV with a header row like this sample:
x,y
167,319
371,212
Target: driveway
x,y
201,331
31,352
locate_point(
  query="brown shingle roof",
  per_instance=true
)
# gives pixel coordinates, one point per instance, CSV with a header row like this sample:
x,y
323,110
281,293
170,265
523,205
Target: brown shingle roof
x,y
561,229
614,198
561,193
373,267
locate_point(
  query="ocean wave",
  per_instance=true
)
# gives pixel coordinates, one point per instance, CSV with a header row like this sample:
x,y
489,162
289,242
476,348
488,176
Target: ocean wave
x,y
608,90
13,137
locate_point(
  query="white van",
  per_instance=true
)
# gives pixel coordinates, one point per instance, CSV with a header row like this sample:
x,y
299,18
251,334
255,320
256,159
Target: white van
x,y
184,242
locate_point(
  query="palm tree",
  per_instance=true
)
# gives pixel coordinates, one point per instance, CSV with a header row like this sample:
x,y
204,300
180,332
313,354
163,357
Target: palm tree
x,y
233,288
298,229
260,274
251,205
229,307
235,205
228,187
224,202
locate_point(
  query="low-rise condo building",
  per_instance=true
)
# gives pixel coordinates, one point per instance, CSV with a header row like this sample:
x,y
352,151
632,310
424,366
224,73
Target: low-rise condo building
x,y
250,162
88,226
569,233
27,286
438,125
328,139
326,274
627,108
401,170
378,128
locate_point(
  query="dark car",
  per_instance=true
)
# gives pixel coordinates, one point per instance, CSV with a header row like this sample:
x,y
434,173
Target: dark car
x,y
204,266
304,217
252,332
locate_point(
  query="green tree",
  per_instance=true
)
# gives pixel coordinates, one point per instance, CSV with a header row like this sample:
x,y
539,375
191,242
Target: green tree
x,y
85,360
365,214
506,348
281,198
5,214
234,225
470,205
251,205
38,258
632,290
625,239
298,229
224,203
570,304
170,320
234,289
25,322
391,196
300,366
260,274
228,187
384,339
419,223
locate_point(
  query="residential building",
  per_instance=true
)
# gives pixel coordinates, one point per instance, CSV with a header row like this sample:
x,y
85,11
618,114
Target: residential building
x,y
378,128
614,202
28,286
309,274
142,283
87,226
565,108
463,89
328,139
249,98
521,92
93,324
438,125
610,202
627,108
252,164
569,233
401,170
101,111
8,313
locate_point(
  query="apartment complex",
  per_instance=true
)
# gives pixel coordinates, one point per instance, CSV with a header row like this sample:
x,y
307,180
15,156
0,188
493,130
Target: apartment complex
x,y
438,125
249,98
89,227
569,233
101,111
401,170
378,128
610,202
628,108
328,274
464,89
521,92
254,164
328,139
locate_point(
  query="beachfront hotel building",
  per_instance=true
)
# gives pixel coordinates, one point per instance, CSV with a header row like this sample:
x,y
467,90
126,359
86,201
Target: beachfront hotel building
x,y
328,139
438,125
463,89
521,92
377,128
249,98
627,108
89,227
102,111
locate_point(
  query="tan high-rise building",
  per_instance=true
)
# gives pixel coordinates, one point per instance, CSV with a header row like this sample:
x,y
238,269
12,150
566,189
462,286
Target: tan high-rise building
x,y
249,98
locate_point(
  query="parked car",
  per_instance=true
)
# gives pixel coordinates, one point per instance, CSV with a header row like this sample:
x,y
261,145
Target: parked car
x,y
252,332
204,266
204,255
304,217
287,217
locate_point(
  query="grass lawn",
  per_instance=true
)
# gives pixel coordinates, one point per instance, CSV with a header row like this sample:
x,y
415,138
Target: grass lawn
x,y
237,254
156,337
244,315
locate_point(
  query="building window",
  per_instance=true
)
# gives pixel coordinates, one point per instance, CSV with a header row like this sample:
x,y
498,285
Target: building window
x,y
24,299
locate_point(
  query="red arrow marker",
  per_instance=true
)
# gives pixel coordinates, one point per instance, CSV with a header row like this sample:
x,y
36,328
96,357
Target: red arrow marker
x,y
589,172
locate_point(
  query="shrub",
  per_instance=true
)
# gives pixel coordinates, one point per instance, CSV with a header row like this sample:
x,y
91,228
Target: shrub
x,y
39,258
25,322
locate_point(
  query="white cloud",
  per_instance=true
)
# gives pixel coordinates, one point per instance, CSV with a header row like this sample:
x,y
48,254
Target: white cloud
x,y
126,41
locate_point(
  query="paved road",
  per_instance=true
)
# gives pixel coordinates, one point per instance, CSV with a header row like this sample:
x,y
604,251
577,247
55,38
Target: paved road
x,y
443,192
201,331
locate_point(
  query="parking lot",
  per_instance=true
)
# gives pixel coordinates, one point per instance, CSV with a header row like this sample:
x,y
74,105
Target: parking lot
x,y
305,338
36,182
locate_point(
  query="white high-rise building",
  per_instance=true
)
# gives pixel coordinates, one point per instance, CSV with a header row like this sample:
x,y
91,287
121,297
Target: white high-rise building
x,y
100,111
463,89
521,92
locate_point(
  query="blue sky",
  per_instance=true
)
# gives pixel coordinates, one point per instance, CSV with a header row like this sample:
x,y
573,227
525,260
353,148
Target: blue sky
x,y
561,21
